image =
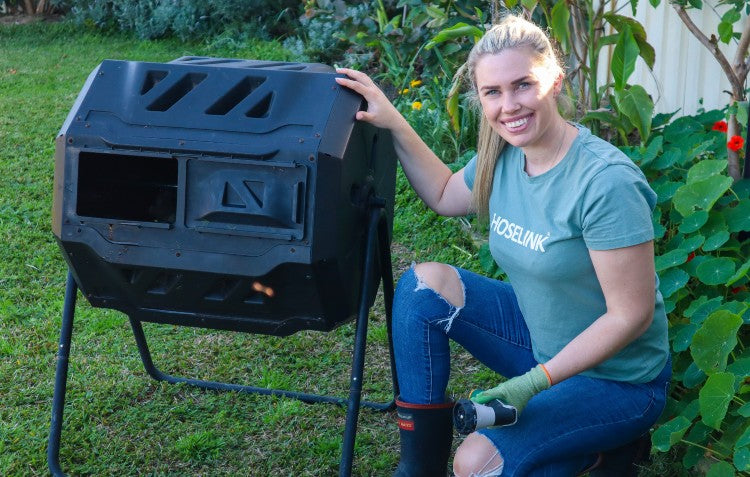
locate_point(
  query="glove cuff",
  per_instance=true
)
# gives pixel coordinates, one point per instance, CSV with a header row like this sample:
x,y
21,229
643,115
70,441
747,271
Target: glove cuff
x,y
539,378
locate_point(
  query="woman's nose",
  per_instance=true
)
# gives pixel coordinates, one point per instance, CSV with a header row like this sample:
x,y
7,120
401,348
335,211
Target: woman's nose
x,y
509,103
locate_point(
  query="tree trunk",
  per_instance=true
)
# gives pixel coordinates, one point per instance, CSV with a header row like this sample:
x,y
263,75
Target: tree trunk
x,y
28,7
733,157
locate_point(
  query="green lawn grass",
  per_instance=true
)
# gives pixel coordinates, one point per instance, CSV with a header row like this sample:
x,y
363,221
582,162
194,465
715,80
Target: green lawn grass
x,y
118,421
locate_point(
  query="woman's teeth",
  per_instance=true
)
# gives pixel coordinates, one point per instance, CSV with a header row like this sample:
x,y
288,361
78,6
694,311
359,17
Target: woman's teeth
x,y
518,123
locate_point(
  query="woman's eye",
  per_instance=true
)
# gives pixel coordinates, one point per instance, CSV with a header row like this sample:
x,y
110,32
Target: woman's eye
x,y
491,92
523,85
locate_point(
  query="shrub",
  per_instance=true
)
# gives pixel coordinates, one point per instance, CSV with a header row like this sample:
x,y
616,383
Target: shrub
x,y
701,224
186,19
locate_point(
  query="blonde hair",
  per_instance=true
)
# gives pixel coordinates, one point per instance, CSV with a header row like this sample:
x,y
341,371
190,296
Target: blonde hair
x,y
511,33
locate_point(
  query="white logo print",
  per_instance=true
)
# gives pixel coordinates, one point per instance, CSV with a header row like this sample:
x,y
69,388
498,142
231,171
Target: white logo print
x,y
516,233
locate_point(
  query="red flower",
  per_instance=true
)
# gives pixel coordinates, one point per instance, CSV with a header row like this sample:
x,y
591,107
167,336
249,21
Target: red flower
x,y
720,126
735,143
691,256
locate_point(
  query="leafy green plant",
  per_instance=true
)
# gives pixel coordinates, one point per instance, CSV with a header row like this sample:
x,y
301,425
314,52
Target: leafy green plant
x,y
187,19
701,223
736,70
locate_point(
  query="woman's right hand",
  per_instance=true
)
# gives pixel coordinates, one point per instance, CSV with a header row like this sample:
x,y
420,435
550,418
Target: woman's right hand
x,y
380,111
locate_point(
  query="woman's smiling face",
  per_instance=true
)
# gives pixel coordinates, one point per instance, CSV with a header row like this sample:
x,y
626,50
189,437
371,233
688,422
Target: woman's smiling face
x,y
517,93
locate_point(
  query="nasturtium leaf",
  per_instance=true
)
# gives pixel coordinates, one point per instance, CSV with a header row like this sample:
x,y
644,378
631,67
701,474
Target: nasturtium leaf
x,y
693,376
652,150
742,188
716,240
692,266
741,272
666,190
672,280
716,270
719,469
684,337
671,259
659,230
744,410
670,433
682,129
692,243
743,440
714,340
667,159
716,223
705,169
714,398
692,456
736,307
741,459
701,194
692,410
693,222
740,368
738,217
697,303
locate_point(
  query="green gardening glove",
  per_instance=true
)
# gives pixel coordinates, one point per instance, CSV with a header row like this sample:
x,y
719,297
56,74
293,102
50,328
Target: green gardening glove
x,y
517,391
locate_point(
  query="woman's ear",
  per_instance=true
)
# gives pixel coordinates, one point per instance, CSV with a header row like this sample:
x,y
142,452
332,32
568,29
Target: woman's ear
x,y
557,87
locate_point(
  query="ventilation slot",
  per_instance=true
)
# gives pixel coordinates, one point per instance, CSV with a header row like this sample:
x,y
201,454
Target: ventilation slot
x,y
178,91
222,289
299,202
233,97
260,110
131,276
255,298
163,284
152,79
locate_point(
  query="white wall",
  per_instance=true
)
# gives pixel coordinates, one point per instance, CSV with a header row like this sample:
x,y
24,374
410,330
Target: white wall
x,y
684,70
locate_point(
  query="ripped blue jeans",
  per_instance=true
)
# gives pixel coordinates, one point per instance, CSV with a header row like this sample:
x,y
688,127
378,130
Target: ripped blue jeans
x,y
562,429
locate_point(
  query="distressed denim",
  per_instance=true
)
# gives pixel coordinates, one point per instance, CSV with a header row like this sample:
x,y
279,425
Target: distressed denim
x,y
562,428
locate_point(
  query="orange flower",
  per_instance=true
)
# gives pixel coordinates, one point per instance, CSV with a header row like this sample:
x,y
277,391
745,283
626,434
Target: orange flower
x,y
415,83
691,256
416,105
735,143
720,126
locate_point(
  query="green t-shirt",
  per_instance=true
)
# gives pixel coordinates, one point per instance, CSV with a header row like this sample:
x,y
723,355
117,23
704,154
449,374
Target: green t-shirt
x,y
541,231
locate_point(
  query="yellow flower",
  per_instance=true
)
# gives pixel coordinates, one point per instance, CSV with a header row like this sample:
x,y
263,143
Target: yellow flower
x,y
416,105
415,83
405,91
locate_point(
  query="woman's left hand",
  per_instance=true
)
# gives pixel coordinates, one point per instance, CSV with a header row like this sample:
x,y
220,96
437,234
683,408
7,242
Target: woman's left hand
x,y
517,391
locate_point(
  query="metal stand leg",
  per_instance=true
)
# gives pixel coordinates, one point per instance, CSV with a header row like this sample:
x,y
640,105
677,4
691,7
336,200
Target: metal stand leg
x,y
61,377
377,241
360,341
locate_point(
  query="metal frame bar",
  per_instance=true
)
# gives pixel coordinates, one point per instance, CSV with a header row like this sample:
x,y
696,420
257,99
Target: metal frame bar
x,y
377,238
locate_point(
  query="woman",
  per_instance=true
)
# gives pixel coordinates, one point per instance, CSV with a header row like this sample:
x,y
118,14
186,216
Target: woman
x,y
581,333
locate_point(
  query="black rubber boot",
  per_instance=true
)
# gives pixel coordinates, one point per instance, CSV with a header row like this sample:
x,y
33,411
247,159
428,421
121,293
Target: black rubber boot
x,y
426,436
